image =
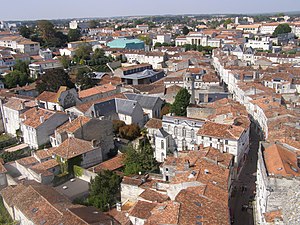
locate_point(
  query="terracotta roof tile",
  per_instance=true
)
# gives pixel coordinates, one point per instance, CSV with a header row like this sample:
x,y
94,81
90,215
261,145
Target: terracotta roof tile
x,y
281,161
154,123
74,125
96,90
153,196
33,116
142,209
73,147
111,164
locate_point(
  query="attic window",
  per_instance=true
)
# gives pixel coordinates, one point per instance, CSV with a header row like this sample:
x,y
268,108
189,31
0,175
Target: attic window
x,y
294,169
34,210
198,204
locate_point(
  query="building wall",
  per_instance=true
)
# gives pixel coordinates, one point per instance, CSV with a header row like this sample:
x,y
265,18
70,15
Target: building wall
x,y
199,113
183,135
41,135
130,192
11,120
3,180
92,158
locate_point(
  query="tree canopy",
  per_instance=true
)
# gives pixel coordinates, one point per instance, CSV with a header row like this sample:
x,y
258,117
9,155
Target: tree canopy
x,y
104,190
185,30
48,35
26,31
93,23
140,160
182,100
15,78
83,52
52,80
129,132
282,29
83,79
74,35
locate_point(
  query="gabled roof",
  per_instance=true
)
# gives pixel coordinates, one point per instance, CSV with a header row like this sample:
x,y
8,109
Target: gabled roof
x,y
73,147
281,161
19,104
96,90
125,106
147,102
217,130
72,126
48,96
154,123
33,116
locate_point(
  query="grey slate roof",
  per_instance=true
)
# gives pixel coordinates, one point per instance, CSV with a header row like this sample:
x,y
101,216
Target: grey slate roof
x,y
125,106
147,102
162,133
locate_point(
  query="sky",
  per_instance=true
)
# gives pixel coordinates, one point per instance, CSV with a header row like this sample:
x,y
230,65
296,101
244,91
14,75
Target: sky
x,y
60,9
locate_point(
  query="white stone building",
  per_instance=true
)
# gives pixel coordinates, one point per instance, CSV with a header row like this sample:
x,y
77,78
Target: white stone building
x,y
38,124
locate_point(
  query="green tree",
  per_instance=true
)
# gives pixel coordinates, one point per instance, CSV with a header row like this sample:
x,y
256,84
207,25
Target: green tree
x,y
282,29
15,78
104,190
83,52
93,23
22,66
140,160
46,29
25,31
83,79
74,35
185,30
146,39
182,100
228,21
49,36
52,80
131,161
157,45
65,61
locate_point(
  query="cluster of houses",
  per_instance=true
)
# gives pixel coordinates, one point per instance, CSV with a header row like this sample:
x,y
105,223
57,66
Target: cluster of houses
x,y
247,83
269,94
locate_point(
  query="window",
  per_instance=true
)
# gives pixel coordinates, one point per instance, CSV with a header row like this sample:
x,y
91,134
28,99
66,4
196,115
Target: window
x,y
162,144
175,131
167,169
218,140
210,138
183,132
226,142
192,133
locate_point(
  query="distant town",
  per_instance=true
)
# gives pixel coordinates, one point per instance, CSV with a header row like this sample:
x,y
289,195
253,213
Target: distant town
x,y
150,120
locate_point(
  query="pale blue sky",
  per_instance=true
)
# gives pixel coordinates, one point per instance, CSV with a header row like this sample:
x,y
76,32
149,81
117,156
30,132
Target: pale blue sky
x,y
54,9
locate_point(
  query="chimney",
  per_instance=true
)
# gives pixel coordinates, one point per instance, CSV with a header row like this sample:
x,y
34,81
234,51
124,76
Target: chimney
x,y
186,164
94,143
175,153
216,160
22,105
42,119
119,206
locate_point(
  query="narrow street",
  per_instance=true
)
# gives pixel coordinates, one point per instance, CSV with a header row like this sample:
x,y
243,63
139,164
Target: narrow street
x,y
243,194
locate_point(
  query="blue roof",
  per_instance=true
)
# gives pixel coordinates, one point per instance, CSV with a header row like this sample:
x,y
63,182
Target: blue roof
x,y
126,43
